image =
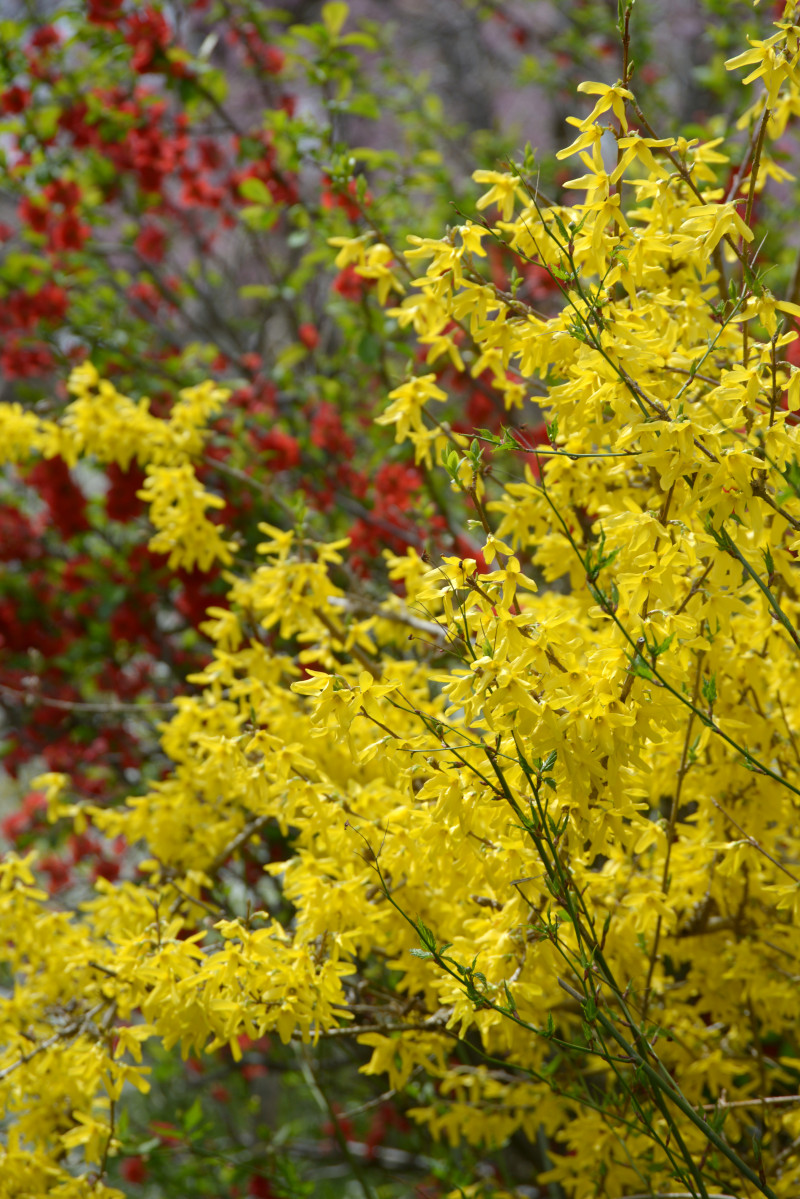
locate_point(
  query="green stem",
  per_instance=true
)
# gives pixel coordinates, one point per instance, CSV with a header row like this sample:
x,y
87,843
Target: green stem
x,y
678,1099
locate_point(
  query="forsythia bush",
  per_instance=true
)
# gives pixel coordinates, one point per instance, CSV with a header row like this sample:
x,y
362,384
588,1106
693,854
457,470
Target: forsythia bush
x,y
550,797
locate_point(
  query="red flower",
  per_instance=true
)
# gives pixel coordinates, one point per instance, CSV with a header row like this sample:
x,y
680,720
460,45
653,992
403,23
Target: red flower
x,y
539,283
253,1070
69,233
24,362
14,826
481,410
151,243
343,1124
272,60
18,541
167,1133
258,398
22,309
196,598
147,295
15,99
344,196
64,499
260,1188
60,872
309,335
211,157
396,484
83,846
122,502
105,868
327,432
73,120
50,303
199,193
64,192
283,449
149,34
793,349
46,36
127,624
259,53
350,285
104,12
33,214
133,1169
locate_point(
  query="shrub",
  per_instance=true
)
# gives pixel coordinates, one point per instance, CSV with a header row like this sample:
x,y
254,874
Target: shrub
x,y
541,801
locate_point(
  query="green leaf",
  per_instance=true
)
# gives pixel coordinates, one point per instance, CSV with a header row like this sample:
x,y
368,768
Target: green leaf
x,y
257,291
360,39
258,216
255,190
426,935
549,761
363,105
334,16
194,1115
369,349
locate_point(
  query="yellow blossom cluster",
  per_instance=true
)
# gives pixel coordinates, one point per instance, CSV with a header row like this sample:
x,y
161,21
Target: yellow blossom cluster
x,y
105,426
565,817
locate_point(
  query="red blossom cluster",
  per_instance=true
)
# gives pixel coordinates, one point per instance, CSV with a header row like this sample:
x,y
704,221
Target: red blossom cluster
x,y
66,503
56,213
345,196
148,34
257,52
389,523
107,13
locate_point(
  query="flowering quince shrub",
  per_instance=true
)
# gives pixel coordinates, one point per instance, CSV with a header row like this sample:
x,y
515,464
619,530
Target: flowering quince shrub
x,y
541,802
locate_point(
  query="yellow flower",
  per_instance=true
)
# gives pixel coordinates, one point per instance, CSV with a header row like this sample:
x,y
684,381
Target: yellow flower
x,y
610,98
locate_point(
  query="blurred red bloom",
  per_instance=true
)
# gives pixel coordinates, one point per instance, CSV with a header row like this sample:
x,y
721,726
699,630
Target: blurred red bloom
x,y
133,1169
46,36
350,285
309,335
104,12
15,99
64,192
149,35
151,243
33,214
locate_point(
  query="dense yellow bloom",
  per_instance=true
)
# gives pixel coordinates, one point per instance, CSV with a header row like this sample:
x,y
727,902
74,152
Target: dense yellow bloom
x,y
109,427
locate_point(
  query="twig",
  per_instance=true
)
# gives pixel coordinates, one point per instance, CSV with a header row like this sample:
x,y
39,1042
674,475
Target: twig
x,y
31,697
